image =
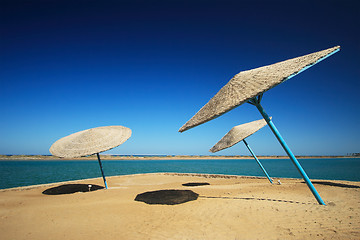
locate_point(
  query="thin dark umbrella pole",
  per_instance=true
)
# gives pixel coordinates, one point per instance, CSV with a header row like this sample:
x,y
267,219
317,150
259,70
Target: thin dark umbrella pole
x,y
256,101
102,172
257,160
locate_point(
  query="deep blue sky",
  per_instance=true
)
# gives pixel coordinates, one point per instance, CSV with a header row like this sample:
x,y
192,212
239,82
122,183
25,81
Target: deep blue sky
x,y
67,66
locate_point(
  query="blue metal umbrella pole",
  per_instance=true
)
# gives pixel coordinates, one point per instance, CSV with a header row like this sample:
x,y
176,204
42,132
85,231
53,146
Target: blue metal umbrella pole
x,y
257,160
256,101
102,172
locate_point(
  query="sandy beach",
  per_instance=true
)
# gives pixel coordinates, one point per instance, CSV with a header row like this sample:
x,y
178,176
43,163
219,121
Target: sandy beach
x,y
231,207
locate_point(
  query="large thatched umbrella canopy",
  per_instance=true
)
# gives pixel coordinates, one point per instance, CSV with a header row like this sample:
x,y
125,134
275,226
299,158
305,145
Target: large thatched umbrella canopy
x,y
251,83
91,141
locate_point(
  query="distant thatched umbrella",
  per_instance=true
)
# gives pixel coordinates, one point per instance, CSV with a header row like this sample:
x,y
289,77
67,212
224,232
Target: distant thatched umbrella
x,y
249,86
239,133
91,141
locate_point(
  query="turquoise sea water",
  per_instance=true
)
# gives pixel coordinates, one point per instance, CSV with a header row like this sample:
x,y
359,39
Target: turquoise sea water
x,y
24,173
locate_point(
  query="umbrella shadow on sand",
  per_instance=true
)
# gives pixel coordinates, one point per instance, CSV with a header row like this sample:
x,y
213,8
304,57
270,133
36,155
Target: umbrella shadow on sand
x,y
195,184
167,197
334,184
71,188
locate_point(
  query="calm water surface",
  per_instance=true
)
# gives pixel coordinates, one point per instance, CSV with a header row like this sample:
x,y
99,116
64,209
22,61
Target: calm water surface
x,y
24,173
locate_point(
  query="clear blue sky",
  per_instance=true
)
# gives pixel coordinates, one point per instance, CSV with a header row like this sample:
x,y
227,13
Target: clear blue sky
x,y
67,66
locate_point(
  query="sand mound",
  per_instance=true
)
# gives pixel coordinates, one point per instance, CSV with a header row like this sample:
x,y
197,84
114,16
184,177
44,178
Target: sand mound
x,y
231,207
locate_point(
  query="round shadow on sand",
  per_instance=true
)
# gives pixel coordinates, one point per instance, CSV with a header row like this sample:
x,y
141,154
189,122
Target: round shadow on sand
x,y
334,184
71,188
167,197
195,184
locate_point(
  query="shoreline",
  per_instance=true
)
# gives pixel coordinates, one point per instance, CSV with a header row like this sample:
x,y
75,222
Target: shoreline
x,y
169,157
203,175
200,175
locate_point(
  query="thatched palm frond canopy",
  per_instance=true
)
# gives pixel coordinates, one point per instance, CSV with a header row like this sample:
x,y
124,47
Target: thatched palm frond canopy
x,y
90,141
251,83
237,134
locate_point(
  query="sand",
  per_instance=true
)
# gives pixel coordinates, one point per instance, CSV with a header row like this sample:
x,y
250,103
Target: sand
x,y
229,208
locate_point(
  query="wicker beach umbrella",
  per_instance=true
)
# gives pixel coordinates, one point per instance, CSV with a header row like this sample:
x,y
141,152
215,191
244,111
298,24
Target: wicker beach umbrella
x,y
239,133
249,86
246,85
91,141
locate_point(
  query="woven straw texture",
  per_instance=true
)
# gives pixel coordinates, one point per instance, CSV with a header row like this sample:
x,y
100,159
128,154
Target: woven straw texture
x,y
90,141
237,134
248,84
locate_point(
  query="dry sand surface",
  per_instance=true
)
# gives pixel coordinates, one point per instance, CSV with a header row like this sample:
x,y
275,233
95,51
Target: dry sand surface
x,y
229,208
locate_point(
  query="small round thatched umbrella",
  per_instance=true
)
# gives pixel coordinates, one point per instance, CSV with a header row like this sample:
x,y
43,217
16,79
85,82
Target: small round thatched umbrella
x,y
91,141
239,133
249,87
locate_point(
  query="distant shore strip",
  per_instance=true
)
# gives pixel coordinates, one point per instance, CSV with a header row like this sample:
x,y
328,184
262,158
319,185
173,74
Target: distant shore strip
x,y
156,157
